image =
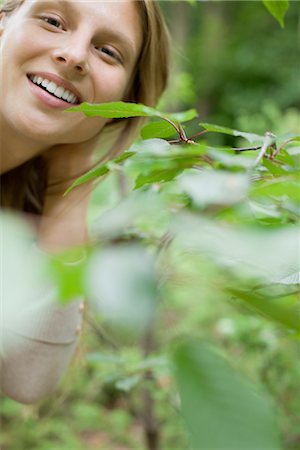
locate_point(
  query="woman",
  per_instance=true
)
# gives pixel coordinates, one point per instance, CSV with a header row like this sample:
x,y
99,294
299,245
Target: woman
x,y
56,53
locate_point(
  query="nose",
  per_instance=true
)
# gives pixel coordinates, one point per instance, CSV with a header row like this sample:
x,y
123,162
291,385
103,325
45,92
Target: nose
x,y
72,57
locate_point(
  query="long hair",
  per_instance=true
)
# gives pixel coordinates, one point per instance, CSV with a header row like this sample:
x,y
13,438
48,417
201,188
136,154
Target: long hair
x,y
23,188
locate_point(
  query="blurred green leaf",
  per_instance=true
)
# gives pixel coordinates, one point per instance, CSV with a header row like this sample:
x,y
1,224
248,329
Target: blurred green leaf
x,y
122,285
156,161
121,219
274,169
220,408
98,358
285,158
278,188
212,187
126,384
68,271
278,9
247,253
23,276
278,310
228,158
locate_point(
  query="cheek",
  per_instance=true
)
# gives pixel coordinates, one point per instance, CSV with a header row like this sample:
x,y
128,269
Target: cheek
x,y
111,86
18,46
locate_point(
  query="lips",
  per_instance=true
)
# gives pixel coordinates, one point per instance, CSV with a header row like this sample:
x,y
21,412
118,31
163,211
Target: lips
x,y
56,86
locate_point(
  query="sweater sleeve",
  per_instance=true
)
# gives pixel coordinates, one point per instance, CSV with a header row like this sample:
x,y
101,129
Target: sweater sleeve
x,y
36,352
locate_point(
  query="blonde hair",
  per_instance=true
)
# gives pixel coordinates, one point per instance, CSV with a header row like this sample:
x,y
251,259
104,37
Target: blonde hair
x,y
23,188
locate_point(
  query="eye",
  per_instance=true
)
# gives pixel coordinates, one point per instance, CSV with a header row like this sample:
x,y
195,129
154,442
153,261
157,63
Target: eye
x,y
53,22
110,52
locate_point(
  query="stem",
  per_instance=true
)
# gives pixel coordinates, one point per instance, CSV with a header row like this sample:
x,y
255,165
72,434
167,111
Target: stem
x,y
199,134
151,426
246,149
173,124
101,333
282,146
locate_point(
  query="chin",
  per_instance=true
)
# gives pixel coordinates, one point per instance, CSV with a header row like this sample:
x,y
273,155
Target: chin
x,y
47,129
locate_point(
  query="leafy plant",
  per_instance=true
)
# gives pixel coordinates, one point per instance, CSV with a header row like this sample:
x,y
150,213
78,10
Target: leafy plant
x,y
205,191
235,208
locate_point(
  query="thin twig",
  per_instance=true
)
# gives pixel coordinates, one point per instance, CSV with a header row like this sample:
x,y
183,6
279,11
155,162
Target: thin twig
x,y
246,149
101,334
199,134
173,124
151,425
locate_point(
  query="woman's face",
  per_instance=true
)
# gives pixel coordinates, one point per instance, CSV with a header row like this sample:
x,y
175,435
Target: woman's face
x,y
82,51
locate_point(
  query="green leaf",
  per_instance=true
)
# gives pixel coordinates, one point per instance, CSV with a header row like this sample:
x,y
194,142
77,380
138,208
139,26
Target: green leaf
x,y
273,168
98,171
278,9
157,161
184,116
161,129
221,409
121,110
250,137
157,176
116,110
285,158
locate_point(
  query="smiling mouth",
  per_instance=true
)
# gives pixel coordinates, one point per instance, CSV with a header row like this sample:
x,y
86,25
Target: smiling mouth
x,y
55,90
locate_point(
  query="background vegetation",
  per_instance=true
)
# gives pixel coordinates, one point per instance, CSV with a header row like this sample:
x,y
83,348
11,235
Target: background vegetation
x,y
239,69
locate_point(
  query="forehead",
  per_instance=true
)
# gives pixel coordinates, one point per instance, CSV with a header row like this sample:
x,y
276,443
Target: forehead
x,y
125,13
127,7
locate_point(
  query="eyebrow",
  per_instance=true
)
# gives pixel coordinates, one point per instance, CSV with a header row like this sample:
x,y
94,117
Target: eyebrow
x,y
115,35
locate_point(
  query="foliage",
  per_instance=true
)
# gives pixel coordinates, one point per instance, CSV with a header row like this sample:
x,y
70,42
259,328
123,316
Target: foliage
x,y
233,209
202,244
209,195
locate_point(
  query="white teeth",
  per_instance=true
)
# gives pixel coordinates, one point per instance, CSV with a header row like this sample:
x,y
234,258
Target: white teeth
x,y
71,98
65,95
59,91
45,83
53,88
